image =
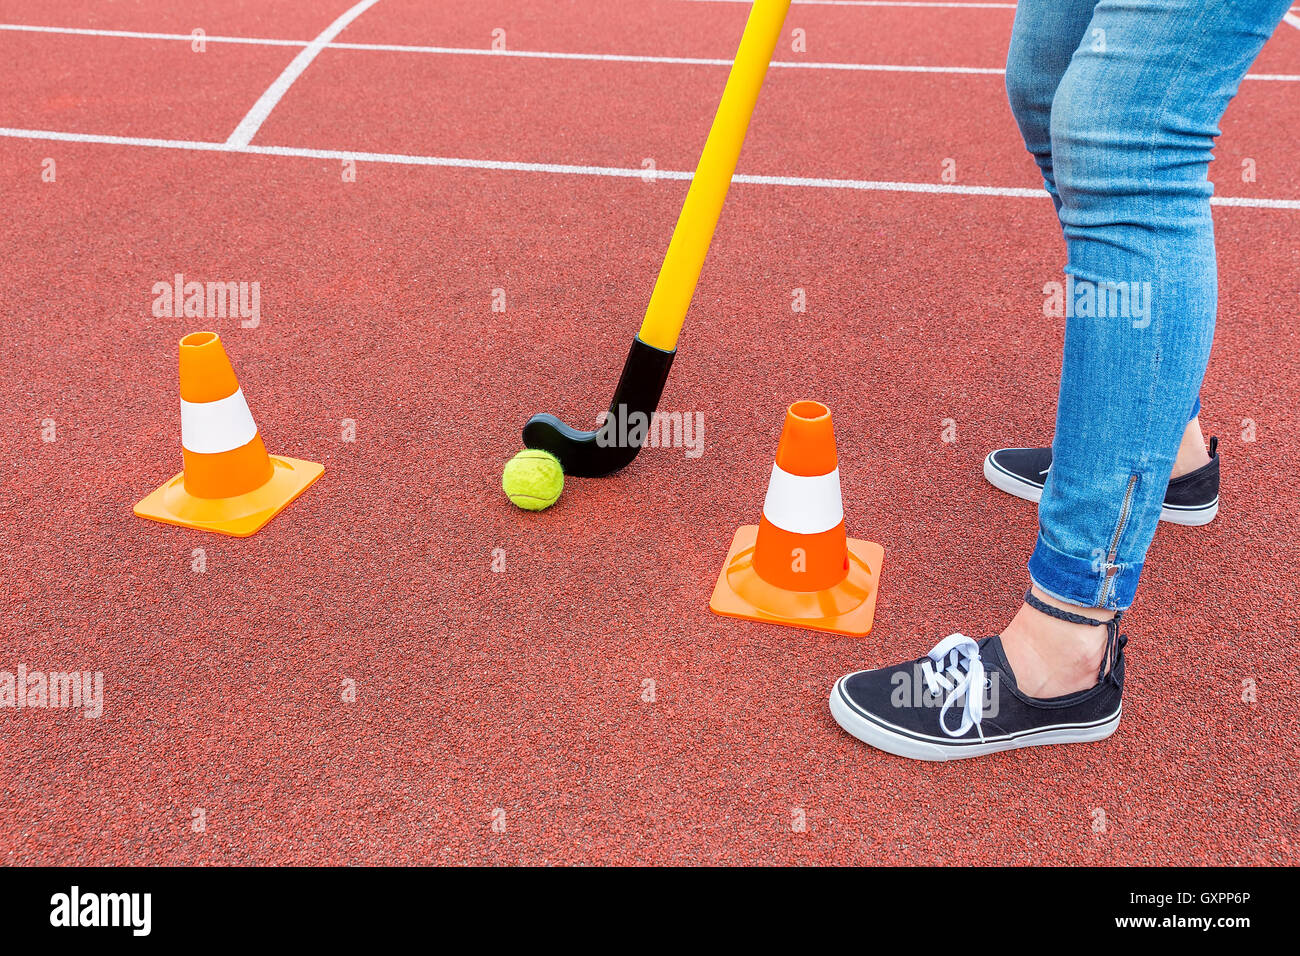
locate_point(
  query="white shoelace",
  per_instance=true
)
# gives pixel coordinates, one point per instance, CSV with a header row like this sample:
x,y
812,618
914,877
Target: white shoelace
x,y
962,674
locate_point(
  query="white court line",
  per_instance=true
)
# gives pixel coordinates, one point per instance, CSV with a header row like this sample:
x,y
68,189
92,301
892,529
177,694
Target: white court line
x,y
640,58
548,55
250,124
525,54
1292,19
404,159
136,35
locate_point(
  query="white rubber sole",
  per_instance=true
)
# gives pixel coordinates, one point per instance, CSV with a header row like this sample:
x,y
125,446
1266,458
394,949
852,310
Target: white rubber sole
x,y
1004,480
901,743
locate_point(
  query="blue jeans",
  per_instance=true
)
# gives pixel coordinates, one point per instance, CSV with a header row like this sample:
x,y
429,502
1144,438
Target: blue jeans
x,y
1119,102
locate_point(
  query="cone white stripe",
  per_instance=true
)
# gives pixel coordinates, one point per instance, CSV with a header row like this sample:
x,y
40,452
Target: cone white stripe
x,y
804,505
213,427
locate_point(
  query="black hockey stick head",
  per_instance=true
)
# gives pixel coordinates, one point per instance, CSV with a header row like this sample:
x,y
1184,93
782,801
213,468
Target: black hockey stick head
x,y
604,451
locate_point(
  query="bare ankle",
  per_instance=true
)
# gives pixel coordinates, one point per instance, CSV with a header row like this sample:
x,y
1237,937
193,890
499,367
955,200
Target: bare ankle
x,y
1192,453
1050,657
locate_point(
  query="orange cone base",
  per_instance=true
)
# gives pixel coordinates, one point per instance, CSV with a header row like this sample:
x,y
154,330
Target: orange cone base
x,y
847,608
239,516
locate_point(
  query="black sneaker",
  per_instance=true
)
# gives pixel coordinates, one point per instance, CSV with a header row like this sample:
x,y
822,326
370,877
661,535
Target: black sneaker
x,y
905,709
1191,499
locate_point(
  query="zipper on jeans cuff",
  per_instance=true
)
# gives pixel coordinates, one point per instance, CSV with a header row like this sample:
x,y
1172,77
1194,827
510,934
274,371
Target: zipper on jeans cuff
x,y
1124,510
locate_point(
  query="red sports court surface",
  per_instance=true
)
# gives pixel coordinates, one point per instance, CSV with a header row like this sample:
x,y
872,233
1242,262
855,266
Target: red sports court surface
x,y
580,704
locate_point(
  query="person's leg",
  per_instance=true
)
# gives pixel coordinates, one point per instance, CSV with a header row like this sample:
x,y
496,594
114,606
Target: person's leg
x,y
1192,451
1043,39
1133,123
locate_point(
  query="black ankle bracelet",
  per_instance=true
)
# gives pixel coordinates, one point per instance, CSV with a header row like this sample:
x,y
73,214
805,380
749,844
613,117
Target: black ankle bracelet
x,y
1113,640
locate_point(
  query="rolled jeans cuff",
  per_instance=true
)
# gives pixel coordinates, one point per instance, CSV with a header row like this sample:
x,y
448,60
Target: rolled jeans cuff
x,y
1085,582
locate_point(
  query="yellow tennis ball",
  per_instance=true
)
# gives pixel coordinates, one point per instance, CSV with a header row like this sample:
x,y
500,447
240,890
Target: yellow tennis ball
x,y
533,479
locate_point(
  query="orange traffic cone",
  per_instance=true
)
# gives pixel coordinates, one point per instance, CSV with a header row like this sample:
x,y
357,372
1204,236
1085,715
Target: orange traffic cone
x,y
796,566
230,484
